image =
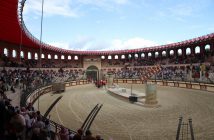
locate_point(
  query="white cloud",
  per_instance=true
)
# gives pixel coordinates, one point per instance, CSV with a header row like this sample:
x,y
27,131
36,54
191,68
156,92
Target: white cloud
x,y
109,5
63,45
89,43
51,7
169,42
131,43
68,8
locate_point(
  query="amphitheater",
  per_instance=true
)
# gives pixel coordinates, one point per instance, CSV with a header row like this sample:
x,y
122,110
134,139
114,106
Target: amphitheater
x,y
65,85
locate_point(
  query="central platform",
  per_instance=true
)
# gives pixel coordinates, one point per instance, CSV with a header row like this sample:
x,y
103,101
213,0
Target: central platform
x,y
130,95
126,93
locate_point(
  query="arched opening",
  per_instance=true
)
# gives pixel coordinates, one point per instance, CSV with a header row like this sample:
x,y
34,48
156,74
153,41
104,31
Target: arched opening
x,y
5,51
123,56
171,53
55,56
43,56
29,55
92,73
62,57
179,52
197,50
136,56
76,57
102,57
129,56
207,47
36,56
142,55
149,54
156,54
164,53
188,51
22,54
14,53
49,56
69,57
109,57
116,57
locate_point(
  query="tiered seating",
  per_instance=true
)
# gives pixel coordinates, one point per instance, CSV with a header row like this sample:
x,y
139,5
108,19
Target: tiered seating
x,y
150,71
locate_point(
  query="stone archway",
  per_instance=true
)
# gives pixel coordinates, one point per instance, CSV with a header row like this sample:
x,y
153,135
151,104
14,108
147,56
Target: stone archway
x,y
92,72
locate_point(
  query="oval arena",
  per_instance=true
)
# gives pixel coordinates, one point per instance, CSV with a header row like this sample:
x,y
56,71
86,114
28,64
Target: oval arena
x,y
162,92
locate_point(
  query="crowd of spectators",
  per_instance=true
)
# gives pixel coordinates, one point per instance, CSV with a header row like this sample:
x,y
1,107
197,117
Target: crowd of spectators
x,y
25,123
128,73
135,73
128,62
60,64
190,59
172,73
15,122
197,73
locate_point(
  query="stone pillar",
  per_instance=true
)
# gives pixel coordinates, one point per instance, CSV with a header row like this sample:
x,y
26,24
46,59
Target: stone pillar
x,y
110,80
151,94
183,52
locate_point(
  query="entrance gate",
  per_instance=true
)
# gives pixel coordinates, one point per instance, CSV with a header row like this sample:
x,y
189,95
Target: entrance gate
x,y
92,73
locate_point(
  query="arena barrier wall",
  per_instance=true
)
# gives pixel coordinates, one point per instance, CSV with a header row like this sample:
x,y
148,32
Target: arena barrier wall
x,y
180,84
41,91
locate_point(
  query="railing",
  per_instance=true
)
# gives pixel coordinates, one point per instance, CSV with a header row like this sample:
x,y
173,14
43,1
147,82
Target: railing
x,y
180,84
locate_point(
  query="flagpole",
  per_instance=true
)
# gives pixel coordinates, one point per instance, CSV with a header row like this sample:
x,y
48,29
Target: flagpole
x,y
41,32
40,49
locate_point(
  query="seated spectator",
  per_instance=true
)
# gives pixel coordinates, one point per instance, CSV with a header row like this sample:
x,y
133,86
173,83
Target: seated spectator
x,y
64,134
78,135
18,124
39,123
88,136
98,137
30,107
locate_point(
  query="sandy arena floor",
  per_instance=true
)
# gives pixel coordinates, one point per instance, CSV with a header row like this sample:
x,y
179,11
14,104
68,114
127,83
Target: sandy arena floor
x,y
121,120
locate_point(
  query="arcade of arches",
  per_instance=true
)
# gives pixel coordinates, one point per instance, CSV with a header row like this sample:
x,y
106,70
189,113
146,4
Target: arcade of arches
x,y
55,59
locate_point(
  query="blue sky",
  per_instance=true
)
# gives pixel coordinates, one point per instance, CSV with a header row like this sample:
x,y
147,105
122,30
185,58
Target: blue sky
x,y
118,24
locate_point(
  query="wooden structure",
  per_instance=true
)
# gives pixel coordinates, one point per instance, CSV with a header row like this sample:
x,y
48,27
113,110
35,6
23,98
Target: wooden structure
x,y
58,87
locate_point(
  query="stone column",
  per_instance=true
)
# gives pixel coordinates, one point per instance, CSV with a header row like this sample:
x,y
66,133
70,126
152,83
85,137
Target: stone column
x,y
110,80
151,94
